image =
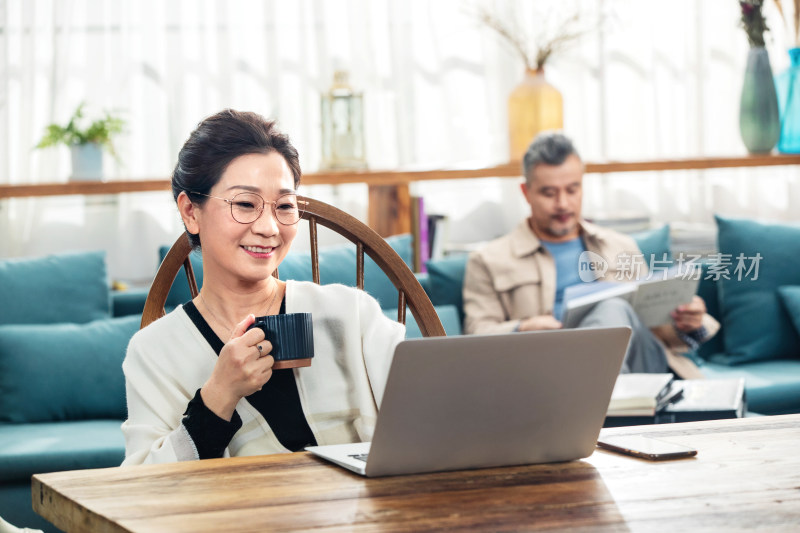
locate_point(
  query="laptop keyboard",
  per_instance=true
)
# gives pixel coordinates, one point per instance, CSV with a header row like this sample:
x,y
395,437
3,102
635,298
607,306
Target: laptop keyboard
x,y
359,456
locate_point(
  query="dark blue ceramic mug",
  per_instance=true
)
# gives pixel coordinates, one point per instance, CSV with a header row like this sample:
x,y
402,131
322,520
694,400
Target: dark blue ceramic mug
x,y
292,338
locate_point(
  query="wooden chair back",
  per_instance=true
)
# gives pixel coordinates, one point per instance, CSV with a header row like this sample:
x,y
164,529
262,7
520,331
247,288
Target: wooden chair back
x,y
410,292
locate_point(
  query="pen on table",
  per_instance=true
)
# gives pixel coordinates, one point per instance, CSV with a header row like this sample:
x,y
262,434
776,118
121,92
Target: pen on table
x,y
671,397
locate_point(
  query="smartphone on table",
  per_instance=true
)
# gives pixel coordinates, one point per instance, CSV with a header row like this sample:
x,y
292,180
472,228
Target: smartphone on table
x,y
645,447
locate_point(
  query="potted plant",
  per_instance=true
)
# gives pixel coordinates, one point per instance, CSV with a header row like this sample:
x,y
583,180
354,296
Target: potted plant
x,y
86,141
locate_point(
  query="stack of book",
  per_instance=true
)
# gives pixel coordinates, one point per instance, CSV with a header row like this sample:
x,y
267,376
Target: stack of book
x,y
705,399
657,399
640,395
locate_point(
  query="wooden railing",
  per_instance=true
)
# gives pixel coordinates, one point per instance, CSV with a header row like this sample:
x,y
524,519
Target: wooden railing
x,y
389,198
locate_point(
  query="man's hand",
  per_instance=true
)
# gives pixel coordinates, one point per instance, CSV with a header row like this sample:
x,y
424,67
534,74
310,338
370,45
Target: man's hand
x,y
535,323
689,317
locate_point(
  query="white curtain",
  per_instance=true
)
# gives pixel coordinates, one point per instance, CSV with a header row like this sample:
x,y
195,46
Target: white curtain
x,y
658,80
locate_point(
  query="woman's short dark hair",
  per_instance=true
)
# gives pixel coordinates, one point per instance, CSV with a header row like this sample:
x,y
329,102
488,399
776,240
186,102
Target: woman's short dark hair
x,y
218,140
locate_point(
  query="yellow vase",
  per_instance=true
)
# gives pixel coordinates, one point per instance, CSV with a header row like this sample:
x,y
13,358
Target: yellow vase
x,y
533,106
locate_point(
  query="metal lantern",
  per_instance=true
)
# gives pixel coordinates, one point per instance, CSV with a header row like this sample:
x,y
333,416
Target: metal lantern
x,y
342,126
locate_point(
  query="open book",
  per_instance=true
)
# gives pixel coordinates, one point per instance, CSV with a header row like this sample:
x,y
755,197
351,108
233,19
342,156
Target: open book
x,y
652,298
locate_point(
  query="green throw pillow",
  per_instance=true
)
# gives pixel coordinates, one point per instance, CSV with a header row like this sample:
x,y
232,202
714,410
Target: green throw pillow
x,y
68,287
757,258
64,371
790,296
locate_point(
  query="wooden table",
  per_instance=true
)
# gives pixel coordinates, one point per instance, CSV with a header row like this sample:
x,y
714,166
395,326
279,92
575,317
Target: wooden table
x,y
746,476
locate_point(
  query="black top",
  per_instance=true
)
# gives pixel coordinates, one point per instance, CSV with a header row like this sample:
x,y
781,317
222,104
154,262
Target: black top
x,y
278,402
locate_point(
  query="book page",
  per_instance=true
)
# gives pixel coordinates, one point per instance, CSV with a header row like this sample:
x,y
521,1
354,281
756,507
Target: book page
x,y
656,299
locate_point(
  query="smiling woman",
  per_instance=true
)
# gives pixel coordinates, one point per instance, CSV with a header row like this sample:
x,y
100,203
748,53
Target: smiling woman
x,y
200,381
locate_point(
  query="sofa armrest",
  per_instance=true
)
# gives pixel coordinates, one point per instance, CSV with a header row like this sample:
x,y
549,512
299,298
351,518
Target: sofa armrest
x,y
128,302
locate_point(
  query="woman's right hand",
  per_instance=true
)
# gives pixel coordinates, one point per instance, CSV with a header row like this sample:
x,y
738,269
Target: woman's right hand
x,y
241,369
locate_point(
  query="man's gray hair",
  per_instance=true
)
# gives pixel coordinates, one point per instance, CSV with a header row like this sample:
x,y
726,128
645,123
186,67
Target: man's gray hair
x,y
548,148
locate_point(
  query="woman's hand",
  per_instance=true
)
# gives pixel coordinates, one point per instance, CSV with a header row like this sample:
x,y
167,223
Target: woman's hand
x,y
241,369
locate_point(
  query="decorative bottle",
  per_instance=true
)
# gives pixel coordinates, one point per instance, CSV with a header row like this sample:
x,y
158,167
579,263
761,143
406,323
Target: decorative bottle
x,y
342,126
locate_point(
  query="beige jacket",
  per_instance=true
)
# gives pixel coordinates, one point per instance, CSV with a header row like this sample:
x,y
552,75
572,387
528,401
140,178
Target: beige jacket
x,y
514,277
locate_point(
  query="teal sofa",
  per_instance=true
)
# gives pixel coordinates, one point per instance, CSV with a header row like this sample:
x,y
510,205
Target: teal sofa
x,y
63,336
760,318
62,393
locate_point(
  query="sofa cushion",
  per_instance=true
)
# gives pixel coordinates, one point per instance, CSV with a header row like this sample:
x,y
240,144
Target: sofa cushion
x,y
27,449
771,387
337,264
54,288
64,371
707,290
760,258
128,302
655,244
446,281
790,296
448,314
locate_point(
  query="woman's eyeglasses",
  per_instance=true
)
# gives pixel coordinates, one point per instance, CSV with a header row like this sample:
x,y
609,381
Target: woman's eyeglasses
x,y
246,207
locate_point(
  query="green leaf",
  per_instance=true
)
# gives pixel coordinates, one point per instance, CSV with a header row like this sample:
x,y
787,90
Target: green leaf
x,y
100,131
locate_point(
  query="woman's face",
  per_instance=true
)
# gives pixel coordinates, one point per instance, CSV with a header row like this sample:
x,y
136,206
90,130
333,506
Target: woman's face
x,y
250,252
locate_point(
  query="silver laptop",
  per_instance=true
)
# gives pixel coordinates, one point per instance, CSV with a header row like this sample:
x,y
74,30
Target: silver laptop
x,y
478,401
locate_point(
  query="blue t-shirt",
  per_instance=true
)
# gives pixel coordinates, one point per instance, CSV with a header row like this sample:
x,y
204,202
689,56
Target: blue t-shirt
x,y
566,255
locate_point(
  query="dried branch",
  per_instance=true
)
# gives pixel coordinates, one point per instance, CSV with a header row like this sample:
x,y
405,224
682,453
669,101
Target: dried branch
x,y
794,27
780,9
796,22
546,44
513,38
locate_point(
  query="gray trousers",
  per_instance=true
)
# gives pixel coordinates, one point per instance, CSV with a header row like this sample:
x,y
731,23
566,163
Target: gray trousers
x,y
645,353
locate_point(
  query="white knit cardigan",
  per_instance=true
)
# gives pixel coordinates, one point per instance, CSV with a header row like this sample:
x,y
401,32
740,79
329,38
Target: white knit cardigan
x,y
340,392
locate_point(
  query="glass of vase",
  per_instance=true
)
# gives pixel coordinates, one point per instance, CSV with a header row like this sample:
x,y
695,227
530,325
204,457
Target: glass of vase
x,y
759,122
787,85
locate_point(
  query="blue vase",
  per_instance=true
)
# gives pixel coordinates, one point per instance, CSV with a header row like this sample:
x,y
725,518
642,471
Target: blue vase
x,y
759,122
787,84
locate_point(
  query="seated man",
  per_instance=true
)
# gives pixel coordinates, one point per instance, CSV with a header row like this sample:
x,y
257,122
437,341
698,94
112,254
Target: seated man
x,y
517,282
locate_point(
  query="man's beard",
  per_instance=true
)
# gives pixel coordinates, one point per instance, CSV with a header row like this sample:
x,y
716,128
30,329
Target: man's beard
x,y
562,230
